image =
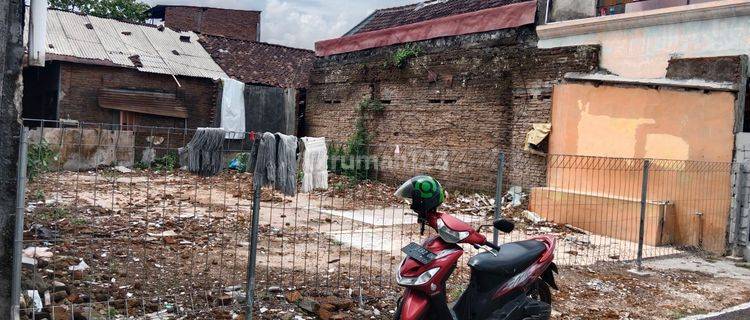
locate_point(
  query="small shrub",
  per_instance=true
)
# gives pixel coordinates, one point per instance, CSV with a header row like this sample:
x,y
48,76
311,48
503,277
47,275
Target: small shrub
x,y
353,160
168,162
243,160
40,159
402,56
78,222
370,105
49,214
38,196
339,186
141,165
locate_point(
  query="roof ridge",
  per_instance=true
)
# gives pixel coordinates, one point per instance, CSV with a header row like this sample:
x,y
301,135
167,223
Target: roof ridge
x,y
145,24
416,5
423,11
258,42
205,7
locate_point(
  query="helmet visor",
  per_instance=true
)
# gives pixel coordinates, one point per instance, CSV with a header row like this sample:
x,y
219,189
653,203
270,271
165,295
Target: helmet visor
x,y
405,190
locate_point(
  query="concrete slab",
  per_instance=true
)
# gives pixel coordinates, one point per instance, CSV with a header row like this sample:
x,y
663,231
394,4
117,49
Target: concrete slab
x,y
720,268
740,312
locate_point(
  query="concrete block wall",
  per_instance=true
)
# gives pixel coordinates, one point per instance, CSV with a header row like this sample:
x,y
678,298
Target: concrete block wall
x,y
476,93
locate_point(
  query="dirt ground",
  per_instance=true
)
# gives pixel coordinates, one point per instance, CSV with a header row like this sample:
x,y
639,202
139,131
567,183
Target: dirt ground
x,y
154,245
609,291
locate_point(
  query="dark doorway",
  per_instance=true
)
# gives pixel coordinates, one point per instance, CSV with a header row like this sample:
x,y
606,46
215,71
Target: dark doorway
x,y
301,109
41,87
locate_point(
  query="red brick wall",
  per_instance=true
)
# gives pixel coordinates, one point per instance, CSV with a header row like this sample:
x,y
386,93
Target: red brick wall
x,y
470,95
236,24
80,86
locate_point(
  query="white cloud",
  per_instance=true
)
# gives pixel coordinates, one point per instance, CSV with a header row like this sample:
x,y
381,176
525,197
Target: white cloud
x,y
300,23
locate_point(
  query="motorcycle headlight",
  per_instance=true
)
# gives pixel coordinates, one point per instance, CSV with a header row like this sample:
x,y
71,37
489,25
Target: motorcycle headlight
x,y
450,235
417,281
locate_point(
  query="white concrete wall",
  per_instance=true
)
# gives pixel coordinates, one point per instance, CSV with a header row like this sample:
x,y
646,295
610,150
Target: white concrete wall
x,y
639,45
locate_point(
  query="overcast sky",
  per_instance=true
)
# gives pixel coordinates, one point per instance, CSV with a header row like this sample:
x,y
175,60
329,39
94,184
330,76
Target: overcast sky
x,y
300,23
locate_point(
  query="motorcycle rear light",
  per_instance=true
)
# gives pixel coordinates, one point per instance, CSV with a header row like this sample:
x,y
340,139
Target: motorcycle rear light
x,y
417,281
450,235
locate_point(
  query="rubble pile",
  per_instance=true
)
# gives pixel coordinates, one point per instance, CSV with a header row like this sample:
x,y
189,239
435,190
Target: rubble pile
x,y
140,257
475,204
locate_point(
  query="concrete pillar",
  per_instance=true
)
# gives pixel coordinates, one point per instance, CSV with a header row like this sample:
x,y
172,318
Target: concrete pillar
x,y
11,54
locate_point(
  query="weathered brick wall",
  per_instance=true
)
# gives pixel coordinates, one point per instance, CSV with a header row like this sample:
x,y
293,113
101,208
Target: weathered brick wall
x,y
236,24
473,95
80,86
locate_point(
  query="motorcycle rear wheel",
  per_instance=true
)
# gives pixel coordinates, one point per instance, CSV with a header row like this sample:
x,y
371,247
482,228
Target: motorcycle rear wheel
x,y
540,306
540,291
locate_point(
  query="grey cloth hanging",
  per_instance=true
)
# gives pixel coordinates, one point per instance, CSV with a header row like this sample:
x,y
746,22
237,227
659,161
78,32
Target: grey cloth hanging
x,y
286,164
205,151
265,163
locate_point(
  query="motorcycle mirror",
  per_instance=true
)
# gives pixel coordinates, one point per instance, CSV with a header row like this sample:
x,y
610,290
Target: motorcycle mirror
x,y
504,225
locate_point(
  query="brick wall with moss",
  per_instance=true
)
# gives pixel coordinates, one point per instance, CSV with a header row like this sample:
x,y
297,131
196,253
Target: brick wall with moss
x,y
467,96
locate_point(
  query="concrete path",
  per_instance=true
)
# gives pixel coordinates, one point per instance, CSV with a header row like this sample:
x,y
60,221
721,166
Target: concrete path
x,y
741,312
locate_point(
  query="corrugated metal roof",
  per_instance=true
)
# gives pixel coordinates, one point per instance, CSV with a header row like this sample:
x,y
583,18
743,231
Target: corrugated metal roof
x,y
92,38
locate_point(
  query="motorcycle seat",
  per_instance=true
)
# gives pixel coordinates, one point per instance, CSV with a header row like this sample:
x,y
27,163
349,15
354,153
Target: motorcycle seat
x,y
511,259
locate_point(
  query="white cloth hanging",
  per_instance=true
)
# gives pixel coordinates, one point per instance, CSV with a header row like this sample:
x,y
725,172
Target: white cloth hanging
x,y
314,164
233,108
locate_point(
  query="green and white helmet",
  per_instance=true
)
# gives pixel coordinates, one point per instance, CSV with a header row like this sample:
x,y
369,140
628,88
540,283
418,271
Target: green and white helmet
x,y
425,192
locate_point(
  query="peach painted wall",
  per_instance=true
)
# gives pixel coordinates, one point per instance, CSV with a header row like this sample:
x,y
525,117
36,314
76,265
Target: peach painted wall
x,y
630,122
691,131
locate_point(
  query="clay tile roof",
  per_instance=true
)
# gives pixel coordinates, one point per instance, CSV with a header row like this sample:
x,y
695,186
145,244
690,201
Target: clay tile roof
x,y
261,63
428,10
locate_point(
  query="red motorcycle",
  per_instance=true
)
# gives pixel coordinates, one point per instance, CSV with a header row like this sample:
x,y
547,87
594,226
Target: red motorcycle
x,y
511,281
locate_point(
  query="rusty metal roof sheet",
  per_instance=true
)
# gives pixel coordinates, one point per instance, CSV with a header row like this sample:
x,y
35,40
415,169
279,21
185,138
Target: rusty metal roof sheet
x,y
159,50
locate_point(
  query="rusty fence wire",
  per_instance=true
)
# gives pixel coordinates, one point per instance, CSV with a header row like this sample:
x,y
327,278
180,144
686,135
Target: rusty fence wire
x,y
622,209
113,227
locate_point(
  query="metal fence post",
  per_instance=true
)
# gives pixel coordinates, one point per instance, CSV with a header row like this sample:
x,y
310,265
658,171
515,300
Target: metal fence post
x,y
252,252
498,193
20,210
735,236
642,226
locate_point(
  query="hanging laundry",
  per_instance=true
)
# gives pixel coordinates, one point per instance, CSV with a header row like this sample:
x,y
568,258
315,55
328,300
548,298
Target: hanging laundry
x,y
314,164
286,164
205,151
265,161
233,108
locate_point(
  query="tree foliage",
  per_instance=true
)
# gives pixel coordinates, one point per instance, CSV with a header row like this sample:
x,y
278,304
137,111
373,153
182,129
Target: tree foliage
x,y
128,10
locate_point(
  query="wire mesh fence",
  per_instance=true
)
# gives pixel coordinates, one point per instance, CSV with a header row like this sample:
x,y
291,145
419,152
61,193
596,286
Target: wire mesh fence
x,y
114,227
